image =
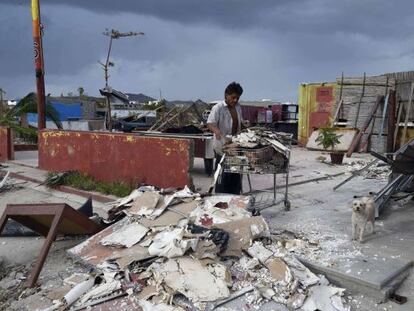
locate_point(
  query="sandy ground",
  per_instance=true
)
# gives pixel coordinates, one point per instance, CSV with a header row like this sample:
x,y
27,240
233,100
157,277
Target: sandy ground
x,y
316,211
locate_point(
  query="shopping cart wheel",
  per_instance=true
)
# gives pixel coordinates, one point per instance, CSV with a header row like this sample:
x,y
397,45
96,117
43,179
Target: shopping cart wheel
x,y
287,205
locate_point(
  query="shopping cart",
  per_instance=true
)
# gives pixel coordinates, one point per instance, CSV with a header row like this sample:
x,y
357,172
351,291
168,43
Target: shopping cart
x,y
262,160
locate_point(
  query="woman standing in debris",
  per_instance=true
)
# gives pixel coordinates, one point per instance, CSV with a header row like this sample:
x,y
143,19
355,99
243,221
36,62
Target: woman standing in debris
x,y
225,121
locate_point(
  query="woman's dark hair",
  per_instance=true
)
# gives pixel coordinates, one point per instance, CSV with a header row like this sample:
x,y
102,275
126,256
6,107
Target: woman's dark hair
x,y
232,88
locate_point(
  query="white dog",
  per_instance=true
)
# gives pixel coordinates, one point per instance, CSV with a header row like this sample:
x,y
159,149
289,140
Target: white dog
x,y
363,213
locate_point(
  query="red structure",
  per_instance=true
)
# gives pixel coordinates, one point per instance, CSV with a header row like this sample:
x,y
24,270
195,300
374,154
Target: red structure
x,y
161,162
325,101
39,64
251,113
6,144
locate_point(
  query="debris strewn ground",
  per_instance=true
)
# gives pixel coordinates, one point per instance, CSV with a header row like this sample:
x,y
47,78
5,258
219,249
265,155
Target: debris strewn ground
x,y
260,261
213,252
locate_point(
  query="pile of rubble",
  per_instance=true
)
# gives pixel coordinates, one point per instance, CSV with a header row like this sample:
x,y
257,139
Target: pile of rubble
x,y
378,170
175,250
257,150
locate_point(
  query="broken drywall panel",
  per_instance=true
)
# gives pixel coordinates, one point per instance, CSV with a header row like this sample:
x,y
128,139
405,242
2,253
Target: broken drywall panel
x,y
145,204
279,270
126,236
171,217
180,195
241,233
247,139
148,292
206,249
301,272
125,256
240,201
92,252
209,213
188,276
261,253
171,243
326,298
278,146
128,199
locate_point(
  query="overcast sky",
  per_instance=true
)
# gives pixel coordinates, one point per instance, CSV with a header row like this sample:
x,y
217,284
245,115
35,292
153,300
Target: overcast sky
x,y
193,49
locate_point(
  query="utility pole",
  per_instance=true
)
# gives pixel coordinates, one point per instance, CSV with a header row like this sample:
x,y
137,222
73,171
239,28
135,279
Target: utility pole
x,y
1,102
39,64
113,34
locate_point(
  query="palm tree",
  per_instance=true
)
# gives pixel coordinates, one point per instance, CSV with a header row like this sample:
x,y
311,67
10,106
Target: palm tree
x,y
28,104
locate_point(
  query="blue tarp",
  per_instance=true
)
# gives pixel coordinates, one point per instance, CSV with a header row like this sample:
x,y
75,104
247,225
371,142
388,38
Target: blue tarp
x,y
66,112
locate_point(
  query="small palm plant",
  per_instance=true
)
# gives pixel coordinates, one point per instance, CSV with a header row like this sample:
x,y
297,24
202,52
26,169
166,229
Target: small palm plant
x,y
329,139
28,104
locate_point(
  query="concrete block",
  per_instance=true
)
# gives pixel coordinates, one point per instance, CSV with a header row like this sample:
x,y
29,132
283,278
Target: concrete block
x,y
377,277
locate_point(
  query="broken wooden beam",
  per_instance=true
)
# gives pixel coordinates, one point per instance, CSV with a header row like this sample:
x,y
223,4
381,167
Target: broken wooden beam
x,y
367,121
391,121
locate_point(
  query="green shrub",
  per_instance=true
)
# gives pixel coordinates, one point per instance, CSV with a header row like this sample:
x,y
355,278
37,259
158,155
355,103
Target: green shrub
x,y
328,138
88,183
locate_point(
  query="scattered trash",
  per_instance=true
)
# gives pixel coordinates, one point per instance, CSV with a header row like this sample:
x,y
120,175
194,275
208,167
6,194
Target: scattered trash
x,y
374,170
199,254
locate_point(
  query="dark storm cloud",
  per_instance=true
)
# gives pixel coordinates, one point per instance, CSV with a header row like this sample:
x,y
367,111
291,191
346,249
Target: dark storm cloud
x,y
375,17
192,48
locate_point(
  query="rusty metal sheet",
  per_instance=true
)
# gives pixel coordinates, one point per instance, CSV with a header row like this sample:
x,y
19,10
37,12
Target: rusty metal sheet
x,y
161,162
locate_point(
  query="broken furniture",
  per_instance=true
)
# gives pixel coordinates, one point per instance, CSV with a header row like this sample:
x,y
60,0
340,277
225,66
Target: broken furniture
x,y
402,164
260,151
49,220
